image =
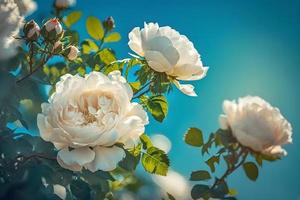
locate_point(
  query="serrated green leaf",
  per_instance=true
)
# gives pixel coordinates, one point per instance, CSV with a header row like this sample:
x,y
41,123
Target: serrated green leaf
x,y
94,28
113,37
158,107
89,46
72,18
155,161
200,175
194,137
251,170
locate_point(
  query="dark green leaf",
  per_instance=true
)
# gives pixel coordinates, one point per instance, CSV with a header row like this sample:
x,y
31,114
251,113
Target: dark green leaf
x,y
200,175
80,189
158,107
194,137
251,170
211,162
200,191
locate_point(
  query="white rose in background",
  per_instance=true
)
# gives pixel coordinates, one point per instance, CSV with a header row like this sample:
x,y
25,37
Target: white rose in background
x,y
64,4
87,116
257,125
174,184
12,14
167,51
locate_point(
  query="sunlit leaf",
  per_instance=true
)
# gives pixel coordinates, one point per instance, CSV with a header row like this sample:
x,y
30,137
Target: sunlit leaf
x,y
72,18
89,46
158,107
107,56
94,28
113,37
155,161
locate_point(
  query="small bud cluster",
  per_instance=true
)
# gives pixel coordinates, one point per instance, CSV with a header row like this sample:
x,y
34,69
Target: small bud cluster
x,y
109,23
52,32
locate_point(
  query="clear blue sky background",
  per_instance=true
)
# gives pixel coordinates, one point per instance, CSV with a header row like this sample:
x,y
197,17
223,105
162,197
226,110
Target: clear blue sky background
x,y
252,48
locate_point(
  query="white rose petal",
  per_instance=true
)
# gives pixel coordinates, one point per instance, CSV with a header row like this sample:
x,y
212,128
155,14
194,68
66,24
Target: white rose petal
x,y
87,116
256,124
167,51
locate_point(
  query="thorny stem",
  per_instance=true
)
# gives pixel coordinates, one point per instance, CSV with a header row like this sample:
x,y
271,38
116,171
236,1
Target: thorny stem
x,y
243,153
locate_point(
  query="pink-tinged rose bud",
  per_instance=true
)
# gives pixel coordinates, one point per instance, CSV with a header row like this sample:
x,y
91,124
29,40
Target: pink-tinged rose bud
x,y
109,23
52,30
31,30
58,47
64,4
71,52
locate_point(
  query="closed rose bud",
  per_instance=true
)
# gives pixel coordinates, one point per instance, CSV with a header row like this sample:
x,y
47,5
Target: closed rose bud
x,y
71,52
52,30
58,47
63,4
109,23
31,30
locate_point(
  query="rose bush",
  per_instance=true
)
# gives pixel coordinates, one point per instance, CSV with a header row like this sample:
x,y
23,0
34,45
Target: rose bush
x,y
256,124
86,117
165,50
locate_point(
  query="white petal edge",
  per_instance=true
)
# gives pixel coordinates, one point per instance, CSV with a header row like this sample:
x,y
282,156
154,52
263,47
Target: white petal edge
x,y
187,89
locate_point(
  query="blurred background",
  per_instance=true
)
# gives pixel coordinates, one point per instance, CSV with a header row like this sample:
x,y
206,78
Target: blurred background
x,y
251,47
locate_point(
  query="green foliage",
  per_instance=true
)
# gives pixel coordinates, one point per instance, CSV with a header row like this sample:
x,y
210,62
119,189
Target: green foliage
x,y
89,46
212,161
94,28
72,18
251,170
107,56
200,175
113,37
194,137
155,161
157,106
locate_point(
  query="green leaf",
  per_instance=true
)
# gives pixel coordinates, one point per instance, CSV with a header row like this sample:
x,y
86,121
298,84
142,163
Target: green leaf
x,y
200,175
89,46
80,189
94,28
72,18
155,161
200,191
251,170
113,37
158,107
194,137
207,145
130,161
107,56
220,190
146,141
211,162
135,86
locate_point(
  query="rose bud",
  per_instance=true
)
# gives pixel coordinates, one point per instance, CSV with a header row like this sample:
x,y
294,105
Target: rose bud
x,y
71,52
57,47
52,30
109,23
31,30
64,4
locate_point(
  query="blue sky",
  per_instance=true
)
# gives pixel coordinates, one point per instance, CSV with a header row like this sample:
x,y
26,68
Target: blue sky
x,y
251,47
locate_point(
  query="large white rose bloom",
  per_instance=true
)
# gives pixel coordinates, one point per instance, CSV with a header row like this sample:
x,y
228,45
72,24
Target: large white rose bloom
x,y
257,125
87,116
167,51
12,14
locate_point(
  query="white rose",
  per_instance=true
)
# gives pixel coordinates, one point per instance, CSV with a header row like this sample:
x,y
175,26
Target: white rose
x,y
72,52
63,4
167,51
257,125
87,116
